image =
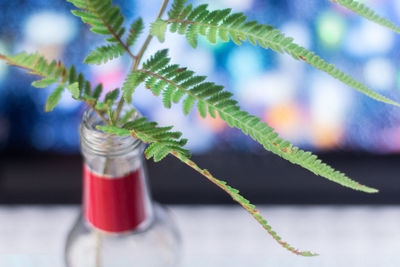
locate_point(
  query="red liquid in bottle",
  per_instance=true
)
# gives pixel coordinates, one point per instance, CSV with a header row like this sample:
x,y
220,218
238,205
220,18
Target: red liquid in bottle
x,y
114,204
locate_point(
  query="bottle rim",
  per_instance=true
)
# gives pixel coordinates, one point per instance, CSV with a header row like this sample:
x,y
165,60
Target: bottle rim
x,y
99,143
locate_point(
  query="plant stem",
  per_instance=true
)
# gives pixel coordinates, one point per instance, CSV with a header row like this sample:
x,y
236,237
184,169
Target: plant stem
x,y
98,112
149,37
140,55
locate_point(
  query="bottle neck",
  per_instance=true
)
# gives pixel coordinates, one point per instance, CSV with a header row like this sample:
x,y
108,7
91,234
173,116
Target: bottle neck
x,y
115,193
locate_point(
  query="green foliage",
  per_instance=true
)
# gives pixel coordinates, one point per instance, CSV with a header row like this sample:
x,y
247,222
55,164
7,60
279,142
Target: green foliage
x,y
103,54
106,19
43,83
134,32
103,17
56,73
73,88
177,7
111,96
97,91
37,65
127,116
158,29
364,11
53,99
234,26
180,82
162,139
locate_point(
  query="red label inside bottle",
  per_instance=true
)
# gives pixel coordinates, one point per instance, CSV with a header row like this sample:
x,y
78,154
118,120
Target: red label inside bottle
x,y
114,204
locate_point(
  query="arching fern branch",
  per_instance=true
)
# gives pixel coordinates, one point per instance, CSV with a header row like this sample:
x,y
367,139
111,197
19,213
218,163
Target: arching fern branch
x,y
234,26
163,142
56,73
364,11
174,83
105,19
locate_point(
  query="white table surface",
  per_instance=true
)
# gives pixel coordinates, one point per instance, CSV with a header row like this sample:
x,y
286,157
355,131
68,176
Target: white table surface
x,y
33,236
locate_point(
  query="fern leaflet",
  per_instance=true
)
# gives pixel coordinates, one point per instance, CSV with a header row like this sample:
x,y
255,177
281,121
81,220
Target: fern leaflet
x,y
175,83
364,11
53,99
234,26
55,73
103,54
134,32
164,142
104,18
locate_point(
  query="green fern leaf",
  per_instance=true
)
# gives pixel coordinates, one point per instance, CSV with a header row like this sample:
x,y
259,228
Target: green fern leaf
x,y
149,132
132,81
127,116
234,26
79,3
73,88
43,83
114,130
104,53
53,72
158,29
53,99
177,7
97,91
111,96
213,98
364,11
87,88
105,19
134,32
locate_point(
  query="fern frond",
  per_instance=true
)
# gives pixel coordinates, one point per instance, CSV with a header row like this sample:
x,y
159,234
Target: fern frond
x,y
103,54
163,142
127,116
364,11
176,83
51,73
134,32
55,73
176,9
104,18
162,139
53,99
234,26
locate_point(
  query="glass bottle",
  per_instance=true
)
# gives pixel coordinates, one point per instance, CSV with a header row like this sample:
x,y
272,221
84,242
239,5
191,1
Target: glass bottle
x,y
120,225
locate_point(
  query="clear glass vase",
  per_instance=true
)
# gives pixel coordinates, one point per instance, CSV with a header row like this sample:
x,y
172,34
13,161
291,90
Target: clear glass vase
x,y
120,225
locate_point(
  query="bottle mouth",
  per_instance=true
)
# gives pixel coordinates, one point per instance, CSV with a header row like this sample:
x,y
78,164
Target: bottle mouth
x,y
99,143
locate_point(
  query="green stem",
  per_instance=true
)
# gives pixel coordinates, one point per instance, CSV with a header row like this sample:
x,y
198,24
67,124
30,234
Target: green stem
x,y
140,55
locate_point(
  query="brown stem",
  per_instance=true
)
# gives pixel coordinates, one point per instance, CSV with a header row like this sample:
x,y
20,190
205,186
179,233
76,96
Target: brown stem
x,y
97,111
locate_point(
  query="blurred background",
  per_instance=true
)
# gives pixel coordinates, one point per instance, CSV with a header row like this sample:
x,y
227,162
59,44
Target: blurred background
x,y
40,161
352,132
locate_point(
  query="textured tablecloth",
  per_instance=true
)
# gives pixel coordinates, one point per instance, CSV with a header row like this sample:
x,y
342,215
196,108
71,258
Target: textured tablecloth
x,y
33,236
